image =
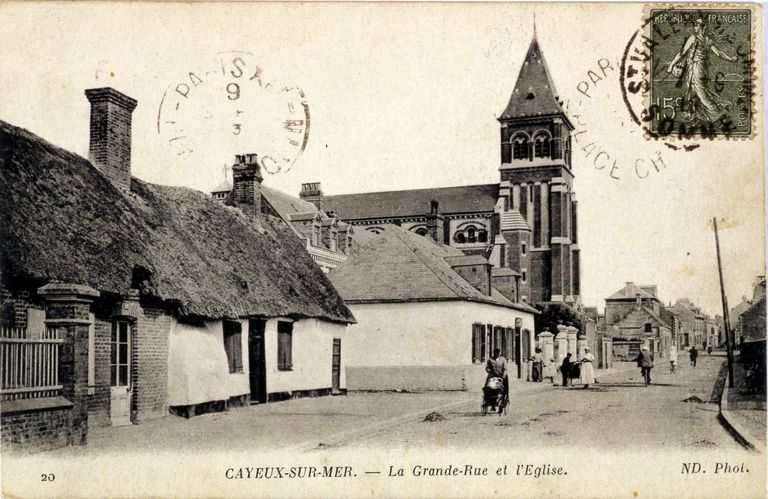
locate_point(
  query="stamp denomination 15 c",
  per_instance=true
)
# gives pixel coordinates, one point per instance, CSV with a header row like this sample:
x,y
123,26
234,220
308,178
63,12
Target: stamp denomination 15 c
x,y
701,71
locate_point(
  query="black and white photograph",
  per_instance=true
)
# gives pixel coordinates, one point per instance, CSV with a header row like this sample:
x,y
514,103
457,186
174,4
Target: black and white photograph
x,y
354,249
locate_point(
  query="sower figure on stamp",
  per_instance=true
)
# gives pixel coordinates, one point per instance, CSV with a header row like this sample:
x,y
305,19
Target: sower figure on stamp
x,y
691,66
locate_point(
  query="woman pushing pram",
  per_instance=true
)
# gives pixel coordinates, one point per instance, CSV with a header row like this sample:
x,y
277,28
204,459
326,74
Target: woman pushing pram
x,y
496,389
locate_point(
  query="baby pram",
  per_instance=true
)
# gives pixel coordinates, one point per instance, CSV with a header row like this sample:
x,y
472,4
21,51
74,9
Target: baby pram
x,y
574,372
494,397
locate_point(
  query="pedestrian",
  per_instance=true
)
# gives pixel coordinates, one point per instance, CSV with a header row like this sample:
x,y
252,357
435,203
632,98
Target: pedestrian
x,y
694,354
537,367
709,349
565,368
645,361
673,359
587,374
496,367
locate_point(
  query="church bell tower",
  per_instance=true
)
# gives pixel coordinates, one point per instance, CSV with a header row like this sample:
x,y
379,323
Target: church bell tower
x,y
537,203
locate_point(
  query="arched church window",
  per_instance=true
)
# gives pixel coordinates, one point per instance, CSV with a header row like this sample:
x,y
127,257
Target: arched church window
x,y
482,236
471,235
520,147
421,231
542,146
460,238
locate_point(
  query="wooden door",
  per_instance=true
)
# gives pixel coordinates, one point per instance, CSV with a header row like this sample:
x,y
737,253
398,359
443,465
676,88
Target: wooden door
x,y
120,373
336,367
257,366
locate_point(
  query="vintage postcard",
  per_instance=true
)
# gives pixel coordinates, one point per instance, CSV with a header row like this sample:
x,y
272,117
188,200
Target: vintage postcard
x,y
382,250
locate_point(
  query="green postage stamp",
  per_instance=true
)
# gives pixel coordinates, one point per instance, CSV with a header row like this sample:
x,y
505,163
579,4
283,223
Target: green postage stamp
x,y
701,72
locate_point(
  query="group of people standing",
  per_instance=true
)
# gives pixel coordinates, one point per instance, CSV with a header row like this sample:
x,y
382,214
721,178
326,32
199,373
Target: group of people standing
x,y
583,369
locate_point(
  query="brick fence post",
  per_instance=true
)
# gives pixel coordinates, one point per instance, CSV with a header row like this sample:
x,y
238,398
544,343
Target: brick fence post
x,y
67,308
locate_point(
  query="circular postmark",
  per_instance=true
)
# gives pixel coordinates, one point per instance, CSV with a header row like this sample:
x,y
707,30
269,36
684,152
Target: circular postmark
x,y
231,105
687,73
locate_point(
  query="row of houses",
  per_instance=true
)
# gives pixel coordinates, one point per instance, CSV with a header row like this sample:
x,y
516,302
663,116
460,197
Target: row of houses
x,y
124,301
635,315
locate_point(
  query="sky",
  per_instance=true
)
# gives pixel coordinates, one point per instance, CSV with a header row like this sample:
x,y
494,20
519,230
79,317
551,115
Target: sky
x,y
399,97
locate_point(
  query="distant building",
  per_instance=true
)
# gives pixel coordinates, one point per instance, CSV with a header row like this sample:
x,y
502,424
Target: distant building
x,y
526,222
327,240
635,316
428,315
694,324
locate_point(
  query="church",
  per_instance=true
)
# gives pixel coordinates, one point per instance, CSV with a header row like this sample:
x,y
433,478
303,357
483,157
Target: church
x,y
526,223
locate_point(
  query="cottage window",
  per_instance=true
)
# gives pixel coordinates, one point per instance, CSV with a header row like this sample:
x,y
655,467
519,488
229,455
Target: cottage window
x,y
233,345
120,358
316,235
497,336
284,346
648,327
489,346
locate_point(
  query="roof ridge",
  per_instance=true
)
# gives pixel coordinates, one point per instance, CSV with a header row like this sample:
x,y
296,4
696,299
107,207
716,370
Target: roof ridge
x,y
420,255
411,190
416,251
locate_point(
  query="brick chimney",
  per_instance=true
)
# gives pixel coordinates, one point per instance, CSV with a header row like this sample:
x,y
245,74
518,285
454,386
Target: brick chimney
x,y
435,223
110,149
246,184
312,193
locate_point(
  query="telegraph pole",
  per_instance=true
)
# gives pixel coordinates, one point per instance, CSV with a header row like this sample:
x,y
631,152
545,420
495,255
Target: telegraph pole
x,y
728,345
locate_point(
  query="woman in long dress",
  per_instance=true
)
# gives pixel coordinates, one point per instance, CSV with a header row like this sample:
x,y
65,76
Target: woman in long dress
x,y
587,376
691,65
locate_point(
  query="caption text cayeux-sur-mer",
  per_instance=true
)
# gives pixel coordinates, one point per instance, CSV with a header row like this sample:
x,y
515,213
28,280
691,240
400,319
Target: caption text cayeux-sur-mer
x,y
466,470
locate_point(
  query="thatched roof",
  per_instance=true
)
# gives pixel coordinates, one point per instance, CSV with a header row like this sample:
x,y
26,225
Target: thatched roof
x,y
61,219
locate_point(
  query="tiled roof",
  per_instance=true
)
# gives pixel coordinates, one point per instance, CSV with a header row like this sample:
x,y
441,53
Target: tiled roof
x,y
415,202
630,291
402,266
534,93
286,204
222,187
513,220
503,272
300,217
455,261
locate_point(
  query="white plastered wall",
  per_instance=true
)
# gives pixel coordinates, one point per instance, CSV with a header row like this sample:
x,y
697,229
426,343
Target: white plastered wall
x,y
422,334
311,356
198,370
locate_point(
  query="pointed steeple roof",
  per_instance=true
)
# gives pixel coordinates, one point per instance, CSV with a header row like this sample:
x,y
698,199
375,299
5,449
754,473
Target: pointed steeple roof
x,y
534,93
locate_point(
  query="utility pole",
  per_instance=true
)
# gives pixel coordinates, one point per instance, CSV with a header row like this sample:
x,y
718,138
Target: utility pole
x,y
728,345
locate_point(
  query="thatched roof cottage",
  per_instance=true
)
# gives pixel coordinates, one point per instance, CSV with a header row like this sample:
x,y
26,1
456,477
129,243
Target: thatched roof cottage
x,y
199,302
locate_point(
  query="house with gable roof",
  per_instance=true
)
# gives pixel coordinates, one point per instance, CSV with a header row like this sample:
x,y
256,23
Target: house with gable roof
x,y
428,315
152,299
634,316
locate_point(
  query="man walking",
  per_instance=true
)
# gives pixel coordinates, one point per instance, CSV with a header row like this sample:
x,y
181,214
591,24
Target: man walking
x,y
694,354
645,360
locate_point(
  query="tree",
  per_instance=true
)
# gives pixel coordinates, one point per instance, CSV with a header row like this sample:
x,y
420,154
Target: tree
x,y
552,314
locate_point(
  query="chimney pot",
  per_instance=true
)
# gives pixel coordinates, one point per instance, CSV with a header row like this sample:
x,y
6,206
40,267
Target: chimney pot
x,y
246,184
110,134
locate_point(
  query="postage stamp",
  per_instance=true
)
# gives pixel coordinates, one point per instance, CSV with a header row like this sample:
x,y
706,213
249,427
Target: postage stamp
x,y
701,71
693,71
